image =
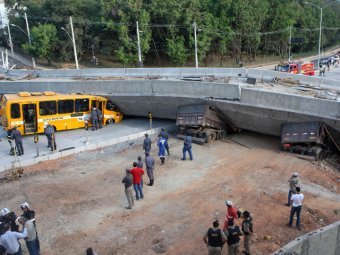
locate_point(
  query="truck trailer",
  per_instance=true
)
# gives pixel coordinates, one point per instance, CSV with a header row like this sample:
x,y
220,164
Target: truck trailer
x,y
203,123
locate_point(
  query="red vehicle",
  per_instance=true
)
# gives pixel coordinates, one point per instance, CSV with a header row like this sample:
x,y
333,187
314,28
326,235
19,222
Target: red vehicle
x,y
297,68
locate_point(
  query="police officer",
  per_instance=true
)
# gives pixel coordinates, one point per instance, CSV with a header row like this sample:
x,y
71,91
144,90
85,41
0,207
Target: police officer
x,y
150,166
147,143
233,234
49,132
16,135
166,137
247,229
94,118
6,216
214,238
187,146
100,118
293,183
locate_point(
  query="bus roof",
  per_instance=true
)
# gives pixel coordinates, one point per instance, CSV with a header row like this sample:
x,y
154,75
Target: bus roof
x,y
45,96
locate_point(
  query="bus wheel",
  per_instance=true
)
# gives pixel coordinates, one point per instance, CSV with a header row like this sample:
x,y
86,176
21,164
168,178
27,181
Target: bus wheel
x,y
110,121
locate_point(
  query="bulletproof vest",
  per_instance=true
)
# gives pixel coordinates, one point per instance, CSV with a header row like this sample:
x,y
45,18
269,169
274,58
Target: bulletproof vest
x,y
214,237
249,221
233,235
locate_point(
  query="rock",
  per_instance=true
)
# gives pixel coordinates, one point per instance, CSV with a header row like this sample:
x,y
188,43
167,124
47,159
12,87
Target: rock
x,y
268,238
159,248
336,211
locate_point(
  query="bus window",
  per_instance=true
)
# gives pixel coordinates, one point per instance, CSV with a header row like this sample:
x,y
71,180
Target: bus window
x,y
110,106
98,104
15,111
47,108
65,106
82,105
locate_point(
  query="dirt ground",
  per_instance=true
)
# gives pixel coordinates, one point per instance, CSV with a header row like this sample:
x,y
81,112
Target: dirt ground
x,y
79,201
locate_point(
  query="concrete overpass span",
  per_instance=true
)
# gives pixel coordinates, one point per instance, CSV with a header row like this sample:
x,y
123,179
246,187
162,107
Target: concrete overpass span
x,y
261,107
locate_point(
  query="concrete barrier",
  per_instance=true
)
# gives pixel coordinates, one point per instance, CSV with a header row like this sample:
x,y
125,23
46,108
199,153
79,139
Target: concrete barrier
x,y
324,241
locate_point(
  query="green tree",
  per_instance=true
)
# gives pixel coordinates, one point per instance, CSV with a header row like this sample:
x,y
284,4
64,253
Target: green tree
x,y
43,41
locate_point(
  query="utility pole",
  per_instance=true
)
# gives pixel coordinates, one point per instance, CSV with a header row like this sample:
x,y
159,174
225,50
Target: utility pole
x,y
74,44
10,43
140,63
196,57
290,43
320,37
29,38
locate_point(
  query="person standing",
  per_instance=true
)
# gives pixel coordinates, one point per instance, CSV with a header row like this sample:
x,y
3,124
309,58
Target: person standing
x,y
150,166
16,135
31,242
29,214
293,183
137,173
247,229
214,238
49,132
128,182
166,137
161,151
187,146
233,234
10,240
296,200
147,143
8,217
231,213
94,118
100,118
140,165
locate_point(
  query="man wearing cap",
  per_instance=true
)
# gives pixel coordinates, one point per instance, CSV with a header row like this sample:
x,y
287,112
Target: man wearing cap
x,y
128,181
147,143
49,132
293,183
8,217
231,213
16,135
233,234
150,166
296,201
214,238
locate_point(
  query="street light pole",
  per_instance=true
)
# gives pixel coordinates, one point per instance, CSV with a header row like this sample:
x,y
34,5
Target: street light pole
x,y
195,36
29,38
74,44
10,43
320,34
140,63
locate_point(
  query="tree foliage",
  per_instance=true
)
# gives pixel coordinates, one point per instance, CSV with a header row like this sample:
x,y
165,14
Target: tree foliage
x,y
225,28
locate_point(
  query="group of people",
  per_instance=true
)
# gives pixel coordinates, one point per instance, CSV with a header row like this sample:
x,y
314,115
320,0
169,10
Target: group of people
x,y
10,233
14,136
134,178
215,238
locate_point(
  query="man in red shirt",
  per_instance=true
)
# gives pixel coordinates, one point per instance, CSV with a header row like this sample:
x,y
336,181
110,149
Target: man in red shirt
x,y
231,214
137,178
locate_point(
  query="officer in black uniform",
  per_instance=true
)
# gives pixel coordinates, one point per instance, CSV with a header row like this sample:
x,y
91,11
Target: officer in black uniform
x,y
214,238
233,234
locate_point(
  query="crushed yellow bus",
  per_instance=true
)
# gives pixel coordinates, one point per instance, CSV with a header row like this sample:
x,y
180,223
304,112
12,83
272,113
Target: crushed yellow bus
x,y
29,110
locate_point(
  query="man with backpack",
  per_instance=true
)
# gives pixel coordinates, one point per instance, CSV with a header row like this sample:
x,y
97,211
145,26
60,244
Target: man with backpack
x,y
214,238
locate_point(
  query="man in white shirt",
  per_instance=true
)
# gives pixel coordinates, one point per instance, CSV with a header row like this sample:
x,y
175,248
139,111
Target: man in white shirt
x,y
10,240
296,201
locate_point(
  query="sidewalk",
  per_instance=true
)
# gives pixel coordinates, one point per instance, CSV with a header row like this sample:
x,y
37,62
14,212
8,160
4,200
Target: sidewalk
x,y
127,133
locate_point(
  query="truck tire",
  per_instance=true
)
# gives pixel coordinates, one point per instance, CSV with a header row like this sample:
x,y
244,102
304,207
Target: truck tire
x,y
211,136
222,135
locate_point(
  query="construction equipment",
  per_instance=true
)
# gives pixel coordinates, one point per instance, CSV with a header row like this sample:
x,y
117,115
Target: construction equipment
x,y
203,123
311,140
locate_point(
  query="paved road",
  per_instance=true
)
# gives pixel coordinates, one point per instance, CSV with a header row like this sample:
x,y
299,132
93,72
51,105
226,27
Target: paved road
x,y
76,138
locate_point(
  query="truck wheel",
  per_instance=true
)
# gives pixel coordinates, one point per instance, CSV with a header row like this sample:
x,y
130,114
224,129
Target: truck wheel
x,y
222,135
211,136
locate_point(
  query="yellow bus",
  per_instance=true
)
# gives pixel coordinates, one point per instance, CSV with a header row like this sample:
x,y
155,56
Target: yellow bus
x,y
28,111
